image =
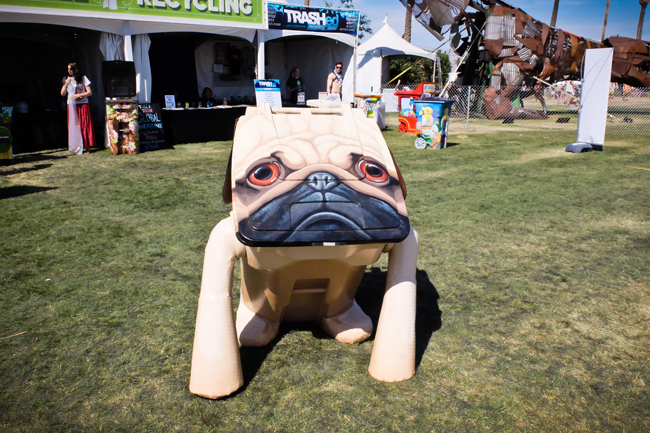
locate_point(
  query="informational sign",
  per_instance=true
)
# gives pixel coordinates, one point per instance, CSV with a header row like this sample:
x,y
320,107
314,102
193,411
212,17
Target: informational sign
x,y
268,91
170,101
233,13
152,136
289,17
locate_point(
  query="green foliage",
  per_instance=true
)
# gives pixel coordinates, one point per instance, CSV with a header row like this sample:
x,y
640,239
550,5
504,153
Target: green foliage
x,y
533,296
364,21
421,69
445,66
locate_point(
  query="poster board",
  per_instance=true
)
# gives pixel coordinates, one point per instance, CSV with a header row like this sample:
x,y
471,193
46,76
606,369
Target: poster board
x,y
170,101
152,136
268,91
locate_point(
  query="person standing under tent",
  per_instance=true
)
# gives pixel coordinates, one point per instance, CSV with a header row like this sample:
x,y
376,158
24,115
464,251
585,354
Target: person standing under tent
x,y
295,85
335,82
81,136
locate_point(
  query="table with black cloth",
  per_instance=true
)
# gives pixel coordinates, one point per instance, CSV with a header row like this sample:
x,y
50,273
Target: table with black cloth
x,y
198,125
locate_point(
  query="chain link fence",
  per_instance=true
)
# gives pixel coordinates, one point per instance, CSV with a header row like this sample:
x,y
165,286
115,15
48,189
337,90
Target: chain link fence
x,y
628,111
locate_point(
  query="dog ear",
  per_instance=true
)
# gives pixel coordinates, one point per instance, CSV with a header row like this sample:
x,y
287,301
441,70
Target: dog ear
x,y
402,184
226,192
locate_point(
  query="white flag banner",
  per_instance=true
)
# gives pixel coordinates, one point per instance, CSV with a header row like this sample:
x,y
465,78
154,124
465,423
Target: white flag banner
x,y
594,95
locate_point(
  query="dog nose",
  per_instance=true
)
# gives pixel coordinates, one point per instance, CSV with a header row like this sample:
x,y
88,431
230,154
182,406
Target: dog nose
x,y
321,181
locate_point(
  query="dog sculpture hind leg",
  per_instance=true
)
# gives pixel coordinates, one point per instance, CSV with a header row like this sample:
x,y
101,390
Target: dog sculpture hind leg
x,y
310,278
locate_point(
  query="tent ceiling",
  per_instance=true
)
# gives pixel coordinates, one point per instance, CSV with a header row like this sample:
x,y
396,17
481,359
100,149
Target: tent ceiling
x,y
340,37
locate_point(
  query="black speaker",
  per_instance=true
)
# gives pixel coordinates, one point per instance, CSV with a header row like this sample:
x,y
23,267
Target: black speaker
x,y
119,79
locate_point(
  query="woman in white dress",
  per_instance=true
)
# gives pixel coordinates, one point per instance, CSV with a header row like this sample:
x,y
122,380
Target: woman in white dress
x,y
81,136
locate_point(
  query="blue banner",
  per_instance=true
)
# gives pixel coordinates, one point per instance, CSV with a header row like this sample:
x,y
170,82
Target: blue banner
x,y
288,17
270,85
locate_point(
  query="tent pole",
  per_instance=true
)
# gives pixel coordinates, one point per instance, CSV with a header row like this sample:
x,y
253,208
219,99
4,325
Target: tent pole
x,y
381,71
128,45
260,55
354,56
433,73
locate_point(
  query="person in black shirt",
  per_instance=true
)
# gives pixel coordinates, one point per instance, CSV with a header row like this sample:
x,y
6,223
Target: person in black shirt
x,y
206,98
295,84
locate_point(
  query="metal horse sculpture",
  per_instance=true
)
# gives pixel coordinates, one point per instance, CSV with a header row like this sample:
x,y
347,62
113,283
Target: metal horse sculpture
x,y
509,46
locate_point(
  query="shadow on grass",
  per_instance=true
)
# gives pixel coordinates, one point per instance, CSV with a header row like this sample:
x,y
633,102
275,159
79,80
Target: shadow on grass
x,y
369,297
26,158
427,314
17,191
24,170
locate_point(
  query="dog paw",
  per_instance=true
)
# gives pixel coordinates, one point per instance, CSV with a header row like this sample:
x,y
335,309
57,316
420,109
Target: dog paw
x,y
254,330
351,326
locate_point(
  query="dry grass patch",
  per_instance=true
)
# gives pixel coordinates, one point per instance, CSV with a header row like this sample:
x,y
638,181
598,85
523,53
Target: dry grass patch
x,y
528,157
639,147
337,386
423,176
639,288
619,143
622,223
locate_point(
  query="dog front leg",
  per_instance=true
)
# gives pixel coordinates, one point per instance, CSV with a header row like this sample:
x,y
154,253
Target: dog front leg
x,y
393,354
216,367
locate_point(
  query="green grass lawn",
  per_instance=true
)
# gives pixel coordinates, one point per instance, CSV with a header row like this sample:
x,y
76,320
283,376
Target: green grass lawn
x,y
533,296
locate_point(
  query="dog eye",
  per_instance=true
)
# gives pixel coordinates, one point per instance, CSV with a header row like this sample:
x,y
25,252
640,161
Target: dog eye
x,y
373,172
264,174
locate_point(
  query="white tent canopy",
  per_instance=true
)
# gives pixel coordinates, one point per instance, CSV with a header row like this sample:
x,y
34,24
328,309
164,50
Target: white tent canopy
x,y
125,27
126,38
372,70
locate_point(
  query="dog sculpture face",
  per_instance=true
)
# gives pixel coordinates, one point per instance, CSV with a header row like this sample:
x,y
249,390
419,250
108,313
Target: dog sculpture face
x,y
306,179
316,198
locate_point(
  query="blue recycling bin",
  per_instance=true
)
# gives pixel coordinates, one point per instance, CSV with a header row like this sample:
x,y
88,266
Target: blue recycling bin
x,y
432,122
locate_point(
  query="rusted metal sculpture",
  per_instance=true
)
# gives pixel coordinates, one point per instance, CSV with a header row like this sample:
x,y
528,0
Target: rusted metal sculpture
x,y
510,47
631,61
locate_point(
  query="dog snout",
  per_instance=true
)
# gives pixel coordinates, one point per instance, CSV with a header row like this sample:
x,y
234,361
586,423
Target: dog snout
x,y
321,181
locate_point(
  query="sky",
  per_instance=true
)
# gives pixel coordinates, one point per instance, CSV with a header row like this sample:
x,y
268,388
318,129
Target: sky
x,y
581,17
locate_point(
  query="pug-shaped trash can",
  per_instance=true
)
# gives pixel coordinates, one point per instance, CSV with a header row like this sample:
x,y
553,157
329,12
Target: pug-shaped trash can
x,y
316,197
